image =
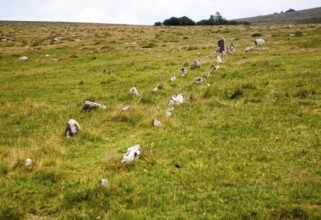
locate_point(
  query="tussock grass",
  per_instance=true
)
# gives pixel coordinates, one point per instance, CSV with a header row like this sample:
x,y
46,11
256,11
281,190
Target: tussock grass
x,y
245,144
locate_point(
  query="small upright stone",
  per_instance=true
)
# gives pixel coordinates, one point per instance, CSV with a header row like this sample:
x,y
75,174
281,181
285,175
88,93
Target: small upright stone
x,y
221,45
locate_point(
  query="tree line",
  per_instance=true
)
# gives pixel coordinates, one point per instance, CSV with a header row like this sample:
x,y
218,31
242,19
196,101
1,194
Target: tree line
x,y
216,19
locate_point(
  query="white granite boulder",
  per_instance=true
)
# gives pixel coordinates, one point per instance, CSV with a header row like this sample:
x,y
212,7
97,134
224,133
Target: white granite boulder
x,y
72,128
89,105
132,153
176,99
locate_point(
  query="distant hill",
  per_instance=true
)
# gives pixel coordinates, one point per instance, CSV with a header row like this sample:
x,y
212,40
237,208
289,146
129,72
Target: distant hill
x,y
298,17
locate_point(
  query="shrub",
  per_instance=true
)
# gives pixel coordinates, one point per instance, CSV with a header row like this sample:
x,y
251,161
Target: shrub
x,y
256,35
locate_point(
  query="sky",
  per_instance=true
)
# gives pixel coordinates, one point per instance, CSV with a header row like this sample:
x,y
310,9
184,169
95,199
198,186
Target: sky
x,y
142,12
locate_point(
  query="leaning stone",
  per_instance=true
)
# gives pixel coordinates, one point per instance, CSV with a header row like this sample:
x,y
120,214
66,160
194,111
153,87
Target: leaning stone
x,y
259,42
221,45
92,105
72,128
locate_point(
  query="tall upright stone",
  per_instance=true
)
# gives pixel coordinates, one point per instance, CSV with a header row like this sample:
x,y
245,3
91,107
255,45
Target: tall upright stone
x,y
221,45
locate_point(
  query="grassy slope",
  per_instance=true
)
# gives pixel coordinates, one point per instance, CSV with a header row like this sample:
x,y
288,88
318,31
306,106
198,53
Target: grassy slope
x,y
247,146
312,15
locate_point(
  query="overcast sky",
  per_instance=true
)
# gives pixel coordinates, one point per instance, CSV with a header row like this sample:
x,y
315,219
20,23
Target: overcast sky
x,y
145,12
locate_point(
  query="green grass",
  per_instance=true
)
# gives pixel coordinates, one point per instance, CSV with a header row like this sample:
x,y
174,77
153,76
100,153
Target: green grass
x,y
246,146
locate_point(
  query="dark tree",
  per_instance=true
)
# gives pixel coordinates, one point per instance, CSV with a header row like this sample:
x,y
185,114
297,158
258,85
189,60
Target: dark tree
x,y
158,23
186,21
173,21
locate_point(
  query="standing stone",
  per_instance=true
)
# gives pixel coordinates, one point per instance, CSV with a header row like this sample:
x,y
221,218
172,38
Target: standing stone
x,y
221,45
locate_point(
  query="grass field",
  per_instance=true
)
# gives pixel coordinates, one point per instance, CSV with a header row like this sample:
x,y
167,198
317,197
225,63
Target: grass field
x,y
244,145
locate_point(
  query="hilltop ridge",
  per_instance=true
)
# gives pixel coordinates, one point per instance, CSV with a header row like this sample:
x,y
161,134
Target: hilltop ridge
x,y
298,17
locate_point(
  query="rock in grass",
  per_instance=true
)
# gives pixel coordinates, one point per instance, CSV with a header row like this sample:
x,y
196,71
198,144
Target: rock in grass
x,y
199,80
168,112
28,162
126,108
132,153
176,99
134,91
88,105
195,64
104,182
215,67
72,128
232,48
157,123
173,78
259,42
249,48
184,71
219,59
23,59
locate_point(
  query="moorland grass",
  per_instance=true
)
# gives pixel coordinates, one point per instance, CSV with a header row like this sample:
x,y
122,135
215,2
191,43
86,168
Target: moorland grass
x,y
244,145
